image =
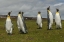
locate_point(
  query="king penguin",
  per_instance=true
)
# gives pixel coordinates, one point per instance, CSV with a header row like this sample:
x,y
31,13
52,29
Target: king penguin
x,y
58,19
8,24
21,23
50,18
39,20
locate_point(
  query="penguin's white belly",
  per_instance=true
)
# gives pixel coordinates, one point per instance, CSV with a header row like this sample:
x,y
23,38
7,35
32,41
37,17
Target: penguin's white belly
x,y
57,19
8,25
39,20
21,24
51,18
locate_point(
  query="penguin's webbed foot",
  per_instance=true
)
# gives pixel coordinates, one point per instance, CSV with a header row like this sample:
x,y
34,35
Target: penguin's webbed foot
x,y
9,34
58,28
21,32
39,28
50,29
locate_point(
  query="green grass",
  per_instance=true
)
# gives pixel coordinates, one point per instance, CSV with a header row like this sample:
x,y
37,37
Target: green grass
x,y
34,34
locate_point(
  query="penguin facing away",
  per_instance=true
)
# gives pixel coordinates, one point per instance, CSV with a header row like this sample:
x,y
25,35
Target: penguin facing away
x,y
8,24
58,19
21,23
24,22
50,18
39,20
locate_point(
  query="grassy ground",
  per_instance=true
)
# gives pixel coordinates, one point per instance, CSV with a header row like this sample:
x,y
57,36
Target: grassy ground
x,y
34,34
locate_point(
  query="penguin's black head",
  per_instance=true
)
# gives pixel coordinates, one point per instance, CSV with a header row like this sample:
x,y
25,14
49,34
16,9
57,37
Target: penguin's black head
x,y
9,13
48,8
22,12
19,12
39,12
57,10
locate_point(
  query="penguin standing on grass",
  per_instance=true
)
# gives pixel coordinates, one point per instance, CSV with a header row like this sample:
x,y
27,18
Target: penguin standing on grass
x,y
8,24
21,23
58,19
50,18
39,20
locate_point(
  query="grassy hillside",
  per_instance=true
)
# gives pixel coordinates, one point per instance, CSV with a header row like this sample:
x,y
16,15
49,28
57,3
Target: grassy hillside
x,y
34,34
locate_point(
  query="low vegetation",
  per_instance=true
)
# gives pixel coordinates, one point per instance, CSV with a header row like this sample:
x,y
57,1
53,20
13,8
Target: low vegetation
x,y
34,34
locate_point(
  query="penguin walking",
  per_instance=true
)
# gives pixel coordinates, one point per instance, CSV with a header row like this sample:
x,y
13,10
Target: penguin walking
x,y
39,20
8,24
50,18
58,19
21,23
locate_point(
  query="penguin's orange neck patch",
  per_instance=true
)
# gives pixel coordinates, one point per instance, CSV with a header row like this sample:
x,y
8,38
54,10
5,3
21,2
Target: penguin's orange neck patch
x,y
8,17
48,10
57,12
19,15
39,14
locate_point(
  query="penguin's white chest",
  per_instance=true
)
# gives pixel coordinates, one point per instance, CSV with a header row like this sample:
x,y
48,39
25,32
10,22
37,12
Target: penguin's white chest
x,y
57,18
51,17
8,19
8,24
39,20
20,22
